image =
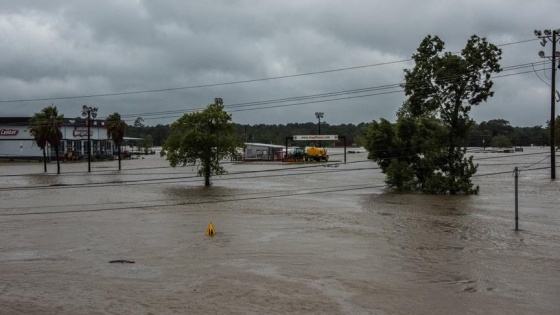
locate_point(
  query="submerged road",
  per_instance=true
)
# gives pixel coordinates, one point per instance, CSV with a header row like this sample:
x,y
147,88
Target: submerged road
x,y
290,239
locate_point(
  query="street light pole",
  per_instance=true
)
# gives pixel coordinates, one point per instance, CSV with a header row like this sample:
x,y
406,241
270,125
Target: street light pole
x,y
319,115
553,106
89,112
552,36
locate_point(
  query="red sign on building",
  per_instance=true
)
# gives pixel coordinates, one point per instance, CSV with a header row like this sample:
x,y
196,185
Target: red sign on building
x,y
82,133
8,132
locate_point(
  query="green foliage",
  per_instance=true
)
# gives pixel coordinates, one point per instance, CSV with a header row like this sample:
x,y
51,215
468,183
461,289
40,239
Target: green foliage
x,y
116,128
261,133
45,128
497,127
158,133
148,143
139,122
203,138
381,143
425,148
500,141
276,134
404,150
400,176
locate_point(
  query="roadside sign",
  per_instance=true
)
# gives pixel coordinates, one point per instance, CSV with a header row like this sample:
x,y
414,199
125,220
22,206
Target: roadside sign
x,y
315,137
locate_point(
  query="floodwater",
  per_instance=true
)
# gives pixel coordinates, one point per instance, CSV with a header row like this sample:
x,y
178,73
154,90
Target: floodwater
x,y
291,239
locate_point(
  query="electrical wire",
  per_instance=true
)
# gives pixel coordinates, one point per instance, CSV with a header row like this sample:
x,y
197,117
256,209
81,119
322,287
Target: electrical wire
x,y
254,105
196,178
278,195
228,199
226,83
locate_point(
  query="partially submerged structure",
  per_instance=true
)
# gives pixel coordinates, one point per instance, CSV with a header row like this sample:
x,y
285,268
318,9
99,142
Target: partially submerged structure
x,y
17,143
263,152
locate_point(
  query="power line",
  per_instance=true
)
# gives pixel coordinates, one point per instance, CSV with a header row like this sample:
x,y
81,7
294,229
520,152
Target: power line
x,y
290,193
321,97
226,83
308,169
279,195
325,95
206,85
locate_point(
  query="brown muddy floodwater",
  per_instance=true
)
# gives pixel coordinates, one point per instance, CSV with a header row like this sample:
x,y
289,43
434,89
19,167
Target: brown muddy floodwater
x,y
290,239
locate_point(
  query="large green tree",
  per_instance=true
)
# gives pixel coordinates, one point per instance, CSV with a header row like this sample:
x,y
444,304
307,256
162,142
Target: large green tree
x,y
202,138
115,130
45,127
442,87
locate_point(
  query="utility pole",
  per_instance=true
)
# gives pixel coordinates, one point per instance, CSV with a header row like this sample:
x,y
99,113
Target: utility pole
x,y
319,115
89,112
552,36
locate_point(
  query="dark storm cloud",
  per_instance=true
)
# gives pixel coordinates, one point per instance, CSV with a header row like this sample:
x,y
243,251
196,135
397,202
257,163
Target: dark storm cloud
x,y
72,48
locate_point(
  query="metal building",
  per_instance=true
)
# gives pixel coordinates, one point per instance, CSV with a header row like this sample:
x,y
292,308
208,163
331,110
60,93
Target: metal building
x,y
263,152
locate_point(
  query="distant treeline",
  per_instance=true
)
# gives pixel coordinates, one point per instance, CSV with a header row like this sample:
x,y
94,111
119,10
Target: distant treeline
x,y
495,132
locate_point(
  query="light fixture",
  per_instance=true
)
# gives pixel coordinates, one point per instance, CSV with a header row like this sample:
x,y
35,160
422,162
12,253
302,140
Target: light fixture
x,y
547,32
538,33
543,43
541,54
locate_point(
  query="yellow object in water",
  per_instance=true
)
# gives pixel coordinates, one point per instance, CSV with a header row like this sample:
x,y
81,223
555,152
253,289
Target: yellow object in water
x,y
210,231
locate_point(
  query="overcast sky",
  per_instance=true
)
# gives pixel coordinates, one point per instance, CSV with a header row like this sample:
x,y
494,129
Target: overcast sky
x,y
180,55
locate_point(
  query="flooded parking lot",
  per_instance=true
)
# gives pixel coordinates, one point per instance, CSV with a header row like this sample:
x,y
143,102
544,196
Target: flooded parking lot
x,y
290,239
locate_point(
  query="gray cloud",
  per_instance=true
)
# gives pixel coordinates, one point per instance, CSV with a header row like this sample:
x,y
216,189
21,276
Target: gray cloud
x,y
76,48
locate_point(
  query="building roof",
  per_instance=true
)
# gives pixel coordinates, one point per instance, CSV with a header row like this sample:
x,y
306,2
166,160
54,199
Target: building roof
x,y
264,145
24,121
17,121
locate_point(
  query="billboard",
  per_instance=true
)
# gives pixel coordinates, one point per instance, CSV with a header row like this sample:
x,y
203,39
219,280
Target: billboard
x,y
315,137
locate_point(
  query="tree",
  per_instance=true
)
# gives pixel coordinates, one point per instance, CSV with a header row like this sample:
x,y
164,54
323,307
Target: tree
x,y
497,127
139,122
441,90
36,130
203,138
45,128
115,130
403,150
148,143
500,141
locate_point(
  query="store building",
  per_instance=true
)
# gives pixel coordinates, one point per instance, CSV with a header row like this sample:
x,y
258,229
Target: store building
x,y
263,152
17,143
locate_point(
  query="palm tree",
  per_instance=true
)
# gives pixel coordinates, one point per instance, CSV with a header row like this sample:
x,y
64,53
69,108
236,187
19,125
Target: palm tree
x,y
115,130
45,128
36,130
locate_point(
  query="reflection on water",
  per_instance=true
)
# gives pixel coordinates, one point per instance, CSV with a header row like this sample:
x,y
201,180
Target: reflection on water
x,y
289,240
44,179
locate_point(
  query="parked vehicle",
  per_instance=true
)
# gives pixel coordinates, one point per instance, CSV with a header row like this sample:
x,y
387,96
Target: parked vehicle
x,y
299,154
317,154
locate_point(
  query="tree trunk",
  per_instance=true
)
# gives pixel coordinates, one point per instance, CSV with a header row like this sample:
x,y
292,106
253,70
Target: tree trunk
x,y
207,174
45,159
119,154
56,151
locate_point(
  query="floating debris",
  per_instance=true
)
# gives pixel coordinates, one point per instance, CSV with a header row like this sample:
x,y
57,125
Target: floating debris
x,y
121,261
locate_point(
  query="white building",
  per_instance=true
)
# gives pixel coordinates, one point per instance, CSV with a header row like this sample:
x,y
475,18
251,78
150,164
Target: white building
x,y
17,143
263,152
